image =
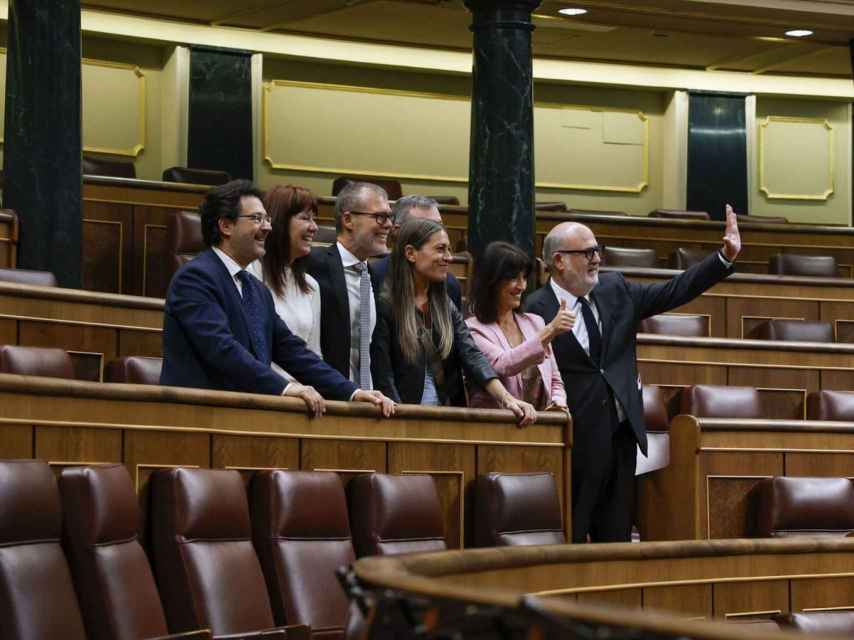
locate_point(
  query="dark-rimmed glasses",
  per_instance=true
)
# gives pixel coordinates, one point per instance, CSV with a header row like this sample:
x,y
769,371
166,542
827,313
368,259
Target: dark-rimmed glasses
x,y
257,218
588,253
380,218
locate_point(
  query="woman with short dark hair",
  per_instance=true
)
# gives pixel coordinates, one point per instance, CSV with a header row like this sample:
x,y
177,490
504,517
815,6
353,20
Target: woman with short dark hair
x,y
516,344
421,344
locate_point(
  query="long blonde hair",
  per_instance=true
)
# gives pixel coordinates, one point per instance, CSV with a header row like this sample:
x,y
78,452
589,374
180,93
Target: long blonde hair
x,y
399,291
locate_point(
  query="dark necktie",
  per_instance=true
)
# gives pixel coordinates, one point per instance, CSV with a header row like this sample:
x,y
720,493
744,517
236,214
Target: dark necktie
x,y
364,325
593,335
253,309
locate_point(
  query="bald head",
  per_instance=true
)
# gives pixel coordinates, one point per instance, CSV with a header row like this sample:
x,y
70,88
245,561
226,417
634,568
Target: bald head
x,y
572,271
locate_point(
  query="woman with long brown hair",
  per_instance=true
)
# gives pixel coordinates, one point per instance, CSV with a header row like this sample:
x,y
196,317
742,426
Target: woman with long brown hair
x,y
283,268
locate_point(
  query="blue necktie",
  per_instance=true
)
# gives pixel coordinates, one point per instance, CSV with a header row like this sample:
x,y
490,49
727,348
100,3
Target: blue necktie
x,y
593,335
364,325
253,309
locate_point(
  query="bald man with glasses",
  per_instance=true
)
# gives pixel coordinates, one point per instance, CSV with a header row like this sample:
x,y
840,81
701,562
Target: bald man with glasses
x,y
598,365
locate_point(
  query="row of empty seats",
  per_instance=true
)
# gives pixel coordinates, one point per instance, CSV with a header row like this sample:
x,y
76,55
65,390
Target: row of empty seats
x,y
217,567
683,214
783,329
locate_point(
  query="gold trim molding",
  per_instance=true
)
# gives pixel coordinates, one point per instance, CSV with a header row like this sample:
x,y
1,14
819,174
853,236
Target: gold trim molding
x,y
135,150
763,187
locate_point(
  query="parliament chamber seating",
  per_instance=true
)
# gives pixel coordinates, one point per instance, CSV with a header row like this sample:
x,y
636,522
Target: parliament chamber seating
x,y
679,214
207,570
302,535
37,598
134,370
657,421
325,235
196,176
118,597
185,231
550,206
96,166
671,324
517,509
790,264
453,201
744,217
392,514
29,277
793,506
36,361
655,415
720,401
627,257
831,405
793,331
685,257
839,623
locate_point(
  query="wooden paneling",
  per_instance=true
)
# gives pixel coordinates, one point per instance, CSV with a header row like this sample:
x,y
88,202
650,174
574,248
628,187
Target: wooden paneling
x,y
248,453
631,598
8,331
71,337
833,465
106,242
147,451
87,366
16,441
751,601
152,264
62,444
688,601
821,594
140,343
346,457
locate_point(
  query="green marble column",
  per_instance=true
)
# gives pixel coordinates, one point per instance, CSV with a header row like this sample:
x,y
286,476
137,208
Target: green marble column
x,y
41,151
501,160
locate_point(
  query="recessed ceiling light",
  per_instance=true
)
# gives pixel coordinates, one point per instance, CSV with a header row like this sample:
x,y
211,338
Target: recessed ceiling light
x,y
799,33
572,11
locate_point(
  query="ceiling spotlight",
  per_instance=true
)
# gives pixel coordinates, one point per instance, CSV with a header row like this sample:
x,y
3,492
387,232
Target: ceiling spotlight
x,y
799,33
572,11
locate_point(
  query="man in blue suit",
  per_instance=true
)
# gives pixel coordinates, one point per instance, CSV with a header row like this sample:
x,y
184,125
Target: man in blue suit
x,y
220,328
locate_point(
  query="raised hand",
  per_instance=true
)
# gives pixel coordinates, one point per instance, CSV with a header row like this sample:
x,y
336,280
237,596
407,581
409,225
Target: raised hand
x,y
732,237
563,321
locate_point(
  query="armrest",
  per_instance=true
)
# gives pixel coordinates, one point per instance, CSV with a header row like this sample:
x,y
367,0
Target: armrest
x,y
199,634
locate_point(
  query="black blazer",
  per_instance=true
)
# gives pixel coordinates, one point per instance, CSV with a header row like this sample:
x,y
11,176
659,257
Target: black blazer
x,y
324,263
622,305
455,291
403,381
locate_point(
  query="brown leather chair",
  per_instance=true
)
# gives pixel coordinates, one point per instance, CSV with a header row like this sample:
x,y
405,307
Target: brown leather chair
x,y
790,264
792,506
36,361
793,331
625,257
719,401
391,185
95,166
686,257
37,599
185,230
28,276
550,206
206,567
654,408
514,509
676,325
391,514
114,582
831,405
302,535
452,200
743,217
839,623
134,370
680,214
196,176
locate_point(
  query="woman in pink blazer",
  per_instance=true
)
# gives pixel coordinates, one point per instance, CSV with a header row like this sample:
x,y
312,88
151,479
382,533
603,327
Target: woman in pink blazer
x,y
516,344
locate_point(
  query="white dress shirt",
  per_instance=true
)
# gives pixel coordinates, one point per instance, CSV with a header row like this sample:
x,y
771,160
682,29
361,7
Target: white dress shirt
x,y
353,280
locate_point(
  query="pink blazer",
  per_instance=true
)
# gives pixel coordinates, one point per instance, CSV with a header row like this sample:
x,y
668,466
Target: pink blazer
x,y
509,362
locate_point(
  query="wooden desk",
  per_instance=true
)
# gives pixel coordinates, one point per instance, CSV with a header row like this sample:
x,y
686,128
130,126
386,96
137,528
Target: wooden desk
x,y
785,371
8,239
150,427
743,300
686,583
714,463
125,248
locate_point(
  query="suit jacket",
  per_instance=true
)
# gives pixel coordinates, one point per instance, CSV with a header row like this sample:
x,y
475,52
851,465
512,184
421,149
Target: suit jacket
x,y
455,290
206,341
622,305
324,263
509,362
403,381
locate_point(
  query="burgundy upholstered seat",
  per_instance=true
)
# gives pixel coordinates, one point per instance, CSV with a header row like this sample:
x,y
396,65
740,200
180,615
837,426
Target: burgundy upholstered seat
x,y
36,361
96,166
196,176
114,581
793,331
37,598
627,257
391,514
185,230
680,214
831,405
719,401
791,506
134,370
517,509
685,257
790,264
668,324
302,535
654,408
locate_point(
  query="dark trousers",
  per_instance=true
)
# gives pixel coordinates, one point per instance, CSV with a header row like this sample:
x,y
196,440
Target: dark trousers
x,y
603,489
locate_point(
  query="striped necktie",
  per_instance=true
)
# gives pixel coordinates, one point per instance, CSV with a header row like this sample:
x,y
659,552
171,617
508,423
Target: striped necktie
x,y
364,325
252,309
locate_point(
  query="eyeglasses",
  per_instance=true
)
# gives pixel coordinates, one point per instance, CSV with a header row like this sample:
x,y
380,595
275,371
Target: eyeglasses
x,y
257,218
588,253
381,219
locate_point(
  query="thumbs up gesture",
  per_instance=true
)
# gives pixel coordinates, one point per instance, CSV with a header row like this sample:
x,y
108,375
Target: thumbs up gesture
x,y
561,323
